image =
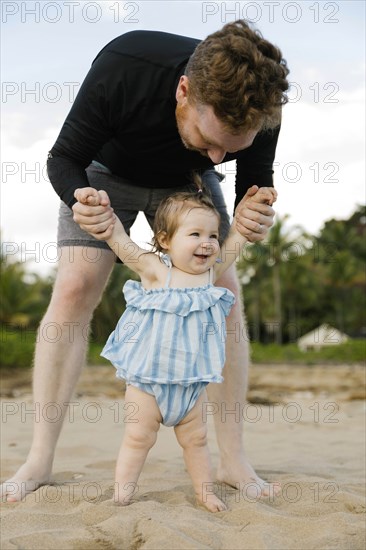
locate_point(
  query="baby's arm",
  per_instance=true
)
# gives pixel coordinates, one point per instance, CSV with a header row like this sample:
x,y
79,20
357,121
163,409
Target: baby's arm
x,y
234,242
135,257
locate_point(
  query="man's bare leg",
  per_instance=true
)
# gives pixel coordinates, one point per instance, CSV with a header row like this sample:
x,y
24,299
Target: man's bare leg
x,y
234,468
77,291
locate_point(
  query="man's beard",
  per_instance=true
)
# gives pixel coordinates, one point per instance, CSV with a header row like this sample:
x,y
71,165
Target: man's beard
x,y
181,117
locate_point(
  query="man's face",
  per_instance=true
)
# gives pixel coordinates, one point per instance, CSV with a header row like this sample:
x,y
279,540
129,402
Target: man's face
x,y
201,131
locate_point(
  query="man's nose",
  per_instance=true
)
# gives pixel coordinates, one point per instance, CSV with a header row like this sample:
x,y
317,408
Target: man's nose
x,y
216,155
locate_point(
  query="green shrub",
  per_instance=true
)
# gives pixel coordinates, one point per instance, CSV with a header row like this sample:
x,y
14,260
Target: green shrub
x,y
17,350
94,357
353,351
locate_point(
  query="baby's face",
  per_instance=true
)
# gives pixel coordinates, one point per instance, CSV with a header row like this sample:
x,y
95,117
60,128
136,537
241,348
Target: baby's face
x,y
194,247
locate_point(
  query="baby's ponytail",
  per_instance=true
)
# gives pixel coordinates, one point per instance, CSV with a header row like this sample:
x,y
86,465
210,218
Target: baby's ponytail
x,y
202,193
197,180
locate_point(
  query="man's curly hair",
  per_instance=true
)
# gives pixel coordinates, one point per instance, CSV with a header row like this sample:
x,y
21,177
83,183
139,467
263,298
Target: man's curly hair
x,y
241,76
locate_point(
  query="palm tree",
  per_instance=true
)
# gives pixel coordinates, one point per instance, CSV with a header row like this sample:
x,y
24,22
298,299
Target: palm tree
x,y
286,245
24,297
112,305
266,261
341,247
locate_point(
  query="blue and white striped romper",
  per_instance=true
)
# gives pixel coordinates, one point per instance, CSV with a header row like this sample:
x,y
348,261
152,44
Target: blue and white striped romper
x,y
170,342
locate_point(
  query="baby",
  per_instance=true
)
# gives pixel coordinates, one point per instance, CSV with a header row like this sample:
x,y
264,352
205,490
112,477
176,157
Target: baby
x,y
170,341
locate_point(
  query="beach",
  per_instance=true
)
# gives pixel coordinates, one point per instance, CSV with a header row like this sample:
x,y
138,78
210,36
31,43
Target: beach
x,y
304,426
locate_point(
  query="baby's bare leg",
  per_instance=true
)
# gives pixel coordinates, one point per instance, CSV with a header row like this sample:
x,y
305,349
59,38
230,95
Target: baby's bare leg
x,y
191,434
140,435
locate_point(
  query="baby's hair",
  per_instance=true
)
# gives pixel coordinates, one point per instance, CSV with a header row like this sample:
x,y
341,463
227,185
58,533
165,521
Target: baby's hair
x,y
170,210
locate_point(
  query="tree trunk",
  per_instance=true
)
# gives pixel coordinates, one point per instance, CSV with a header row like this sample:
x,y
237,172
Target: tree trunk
x,y
277,302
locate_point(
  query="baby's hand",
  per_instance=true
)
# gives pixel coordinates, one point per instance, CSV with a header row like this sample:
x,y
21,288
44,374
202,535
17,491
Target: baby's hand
x,y
93,212
265,195
91,197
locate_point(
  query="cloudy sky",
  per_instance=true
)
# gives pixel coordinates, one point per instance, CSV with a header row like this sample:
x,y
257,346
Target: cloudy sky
x,y
47,49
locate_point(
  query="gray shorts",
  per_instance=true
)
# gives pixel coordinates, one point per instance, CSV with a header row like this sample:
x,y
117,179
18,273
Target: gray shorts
x,y
128,200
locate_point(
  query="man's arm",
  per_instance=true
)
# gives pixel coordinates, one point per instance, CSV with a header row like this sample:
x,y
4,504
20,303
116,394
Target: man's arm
x,y
254,166
88,126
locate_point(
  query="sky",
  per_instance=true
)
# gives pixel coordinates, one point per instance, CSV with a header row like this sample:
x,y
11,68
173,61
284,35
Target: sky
x,y
47,48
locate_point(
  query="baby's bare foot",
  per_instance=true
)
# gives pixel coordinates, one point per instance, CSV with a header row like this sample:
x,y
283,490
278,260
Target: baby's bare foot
x,y
212,503
124,492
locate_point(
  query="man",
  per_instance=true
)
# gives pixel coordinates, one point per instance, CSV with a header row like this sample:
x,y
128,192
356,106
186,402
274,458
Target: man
x,y
153,108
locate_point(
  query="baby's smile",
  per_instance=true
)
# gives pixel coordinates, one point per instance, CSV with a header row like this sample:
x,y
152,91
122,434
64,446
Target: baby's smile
x,y
202,257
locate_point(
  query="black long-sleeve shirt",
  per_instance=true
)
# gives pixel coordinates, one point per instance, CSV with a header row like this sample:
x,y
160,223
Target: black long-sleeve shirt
x,y
124,117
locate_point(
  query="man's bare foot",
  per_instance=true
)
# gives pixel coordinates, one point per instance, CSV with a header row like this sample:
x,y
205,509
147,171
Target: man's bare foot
x,y
243,477
212,503
27,480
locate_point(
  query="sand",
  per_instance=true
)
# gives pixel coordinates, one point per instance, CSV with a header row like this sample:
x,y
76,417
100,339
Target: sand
x,y
304,426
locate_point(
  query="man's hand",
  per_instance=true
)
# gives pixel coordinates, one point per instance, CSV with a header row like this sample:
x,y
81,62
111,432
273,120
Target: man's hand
x,y
93,212
253,218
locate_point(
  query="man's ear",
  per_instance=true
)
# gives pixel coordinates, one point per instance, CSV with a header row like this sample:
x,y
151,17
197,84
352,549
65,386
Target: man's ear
x,y
163,240
181,94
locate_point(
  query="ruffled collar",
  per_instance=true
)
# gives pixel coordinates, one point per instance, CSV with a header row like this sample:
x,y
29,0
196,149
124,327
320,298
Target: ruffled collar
x,y
180,301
